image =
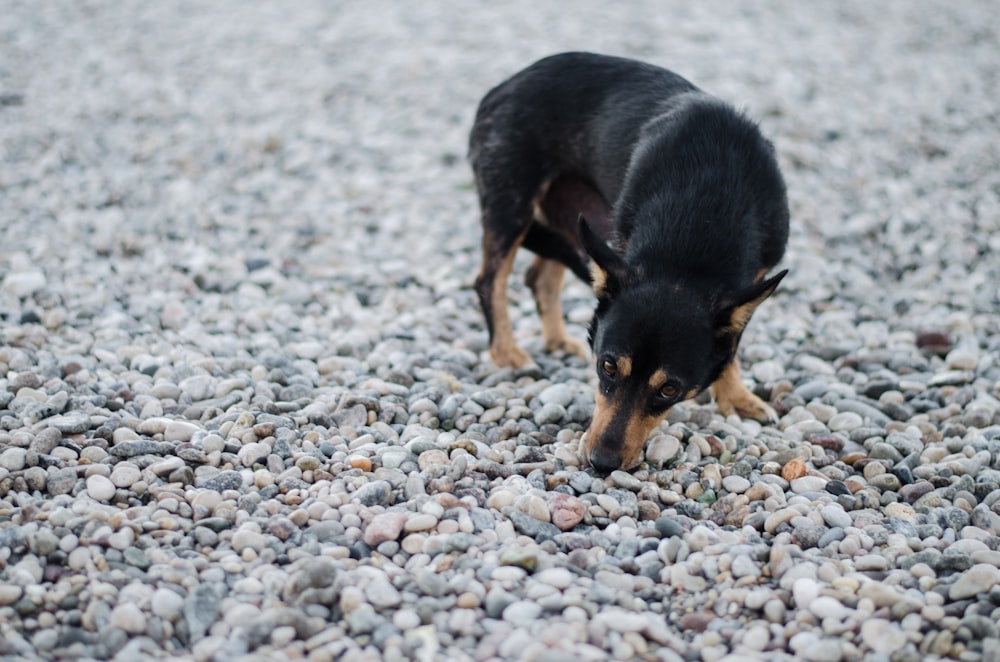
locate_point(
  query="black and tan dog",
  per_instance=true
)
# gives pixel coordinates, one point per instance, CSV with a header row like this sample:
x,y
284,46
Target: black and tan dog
x,y
581,149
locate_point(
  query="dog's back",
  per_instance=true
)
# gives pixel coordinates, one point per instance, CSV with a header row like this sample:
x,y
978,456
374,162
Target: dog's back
x,y
703,195
576,112
691,164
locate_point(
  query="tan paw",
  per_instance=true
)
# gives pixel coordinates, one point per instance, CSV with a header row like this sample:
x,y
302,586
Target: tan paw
x,y
510,356
747,405
568,345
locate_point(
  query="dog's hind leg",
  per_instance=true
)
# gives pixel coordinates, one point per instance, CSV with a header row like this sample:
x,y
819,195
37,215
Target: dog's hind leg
x,y
491,286
545,278
733,397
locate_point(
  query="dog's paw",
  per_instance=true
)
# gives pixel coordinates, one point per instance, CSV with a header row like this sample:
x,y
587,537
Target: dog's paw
x,y
568,345
748,405
510,357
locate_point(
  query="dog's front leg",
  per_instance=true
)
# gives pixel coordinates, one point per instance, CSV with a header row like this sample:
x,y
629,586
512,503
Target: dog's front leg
x,y
545,278
733,397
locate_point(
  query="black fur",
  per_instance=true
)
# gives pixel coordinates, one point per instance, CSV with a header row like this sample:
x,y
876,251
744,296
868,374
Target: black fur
x,y
695,212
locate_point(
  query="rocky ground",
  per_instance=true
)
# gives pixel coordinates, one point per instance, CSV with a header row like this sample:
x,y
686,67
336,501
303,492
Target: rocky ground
x,y
245,407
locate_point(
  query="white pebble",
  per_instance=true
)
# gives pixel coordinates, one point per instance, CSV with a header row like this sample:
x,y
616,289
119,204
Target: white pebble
x,y
100,488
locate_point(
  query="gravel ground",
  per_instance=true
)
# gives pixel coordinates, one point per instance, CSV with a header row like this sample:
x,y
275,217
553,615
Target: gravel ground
x,y
245,405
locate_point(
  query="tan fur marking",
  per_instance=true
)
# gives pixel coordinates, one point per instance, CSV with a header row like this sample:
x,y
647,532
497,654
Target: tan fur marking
x,y
741,314
636,431
658,378
733,397
599,280
599,421
624,366
503,348
761,274
545,278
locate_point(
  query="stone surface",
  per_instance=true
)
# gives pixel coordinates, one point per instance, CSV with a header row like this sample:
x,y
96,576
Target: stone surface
x,y
247,409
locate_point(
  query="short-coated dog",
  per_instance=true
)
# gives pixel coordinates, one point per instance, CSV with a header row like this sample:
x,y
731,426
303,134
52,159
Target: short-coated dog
x,y
667,200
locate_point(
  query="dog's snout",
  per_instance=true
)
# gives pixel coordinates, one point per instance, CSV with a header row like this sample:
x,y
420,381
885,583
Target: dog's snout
x,y
604,460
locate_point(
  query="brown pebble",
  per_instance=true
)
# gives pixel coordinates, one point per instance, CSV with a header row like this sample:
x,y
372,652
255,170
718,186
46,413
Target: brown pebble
x,y
554,481
361,462
851,458
934,342
855,484
795,468
648,510
831,442
697,621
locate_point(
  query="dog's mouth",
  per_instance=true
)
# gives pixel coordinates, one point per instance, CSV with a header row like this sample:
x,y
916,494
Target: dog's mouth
x,y
604,461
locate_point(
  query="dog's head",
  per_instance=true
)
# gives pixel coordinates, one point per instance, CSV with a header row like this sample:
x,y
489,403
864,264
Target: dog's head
x,y
655,343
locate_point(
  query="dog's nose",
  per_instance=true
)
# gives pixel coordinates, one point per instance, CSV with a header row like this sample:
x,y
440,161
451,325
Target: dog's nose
x,y
604,461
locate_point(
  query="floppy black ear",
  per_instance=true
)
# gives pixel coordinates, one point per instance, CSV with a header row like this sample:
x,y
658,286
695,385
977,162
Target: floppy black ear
x,y
608,271
733,317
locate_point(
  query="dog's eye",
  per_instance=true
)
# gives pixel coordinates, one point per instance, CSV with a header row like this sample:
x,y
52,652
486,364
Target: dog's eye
x,y
609,367
669,391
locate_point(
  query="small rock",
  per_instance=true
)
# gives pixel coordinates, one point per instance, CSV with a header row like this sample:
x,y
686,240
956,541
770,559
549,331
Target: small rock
x,y
383,527
808,484
662,448
978,579
100,488
566,511
795,468
626,481
128,617
522,612
227,480
835,516
13,459
882,636
735,484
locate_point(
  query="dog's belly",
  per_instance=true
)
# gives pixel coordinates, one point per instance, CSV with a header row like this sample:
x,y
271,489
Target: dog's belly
x,y
565,200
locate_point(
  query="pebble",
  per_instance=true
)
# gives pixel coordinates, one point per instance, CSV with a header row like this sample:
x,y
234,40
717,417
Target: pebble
x,y
522,612
835,517
662,448
128,617
978,579
881,636
385,526
566,511
13,459
808,484
100,488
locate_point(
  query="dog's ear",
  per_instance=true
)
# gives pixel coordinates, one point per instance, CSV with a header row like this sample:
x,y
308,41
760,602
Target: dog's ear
x,y
608,273
734,316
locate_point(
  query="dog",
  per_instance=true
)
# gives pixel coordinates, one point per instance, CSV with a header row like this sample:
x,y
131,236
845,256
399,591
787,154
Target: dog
x,y
667,200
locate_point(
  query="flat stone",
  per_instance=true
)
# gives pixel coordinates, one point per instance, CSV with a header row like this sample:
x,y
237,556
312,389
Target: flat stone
x,y
69,423
128,617
881,636
227,480
566,511
127,449
835,516
100,488
13,459
735,484
978,579
808,484
662,448
383,527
